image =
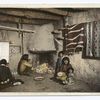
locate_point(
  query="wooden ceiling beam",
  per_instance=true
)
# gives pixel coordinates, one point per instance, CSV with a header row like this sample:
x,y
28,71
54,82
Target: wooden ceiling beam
x,y
54,11
6,18
30,14
13,19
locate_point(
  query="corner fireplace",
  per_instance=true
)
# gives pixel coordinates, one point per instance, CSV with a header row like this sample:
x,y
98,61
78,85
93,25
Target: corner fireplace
x,y
44,57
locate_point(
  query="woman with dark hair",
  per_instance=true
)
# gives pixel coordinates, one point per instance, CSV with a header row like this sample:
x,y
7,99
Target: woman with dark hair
x,y
66,70
5,73
24,66
66,66
6,76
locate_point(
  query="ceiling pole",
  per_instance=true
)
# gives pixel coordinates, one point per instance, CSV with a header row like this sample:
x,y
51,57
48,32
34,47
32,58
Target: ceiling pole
x,y
6,28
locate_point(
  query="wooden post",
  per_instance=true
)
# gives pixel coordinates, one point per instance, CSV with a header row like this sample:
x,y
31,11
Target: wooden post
x,y
64,41
64,31
20,32
22,43
22,40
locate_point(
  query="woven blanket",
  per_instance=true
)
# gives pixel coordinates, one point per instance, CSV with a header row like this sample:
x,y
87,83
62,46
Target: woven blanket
x,y
74,38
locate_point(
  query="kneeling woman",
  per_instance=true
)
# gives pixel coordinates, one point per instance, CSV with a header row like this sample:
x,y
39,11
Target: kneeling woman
x,y
6,77
24,67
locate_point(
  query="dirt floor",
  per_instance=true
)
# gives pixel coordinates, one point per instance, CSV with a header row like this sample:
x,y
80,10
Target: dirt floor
x,y
47,85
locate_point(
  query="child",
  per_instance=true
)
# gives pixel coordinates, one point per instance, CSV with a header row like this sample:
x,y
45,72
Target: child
x,y
58,63
70,76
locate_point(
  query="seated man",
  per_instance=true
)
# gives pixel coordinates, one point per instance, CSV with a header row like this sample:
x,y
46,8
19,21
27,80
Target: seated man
x,y
24,67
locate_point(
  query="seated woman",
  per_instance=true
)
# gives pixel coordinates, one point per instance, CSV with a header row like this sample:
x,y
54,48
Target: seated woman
x,y
24,67
66,70
6,76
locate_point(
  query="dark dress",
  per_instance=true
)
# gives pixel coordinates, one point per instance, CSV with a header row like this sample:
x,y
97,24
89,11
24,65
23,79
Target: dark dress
x,y
58,66
66,68
5,73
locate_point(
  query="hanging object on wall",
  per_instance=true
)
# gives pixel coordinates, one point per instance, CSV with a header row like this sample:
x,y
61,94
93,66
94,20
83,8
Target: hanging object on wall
x,y
74,38
4,35
92,43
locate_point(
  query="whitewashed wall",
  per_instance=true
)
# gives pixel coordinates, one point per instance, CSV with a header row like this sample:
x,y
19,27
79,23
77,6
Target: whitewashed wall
x,y
86,16
86,69
14,45
14,39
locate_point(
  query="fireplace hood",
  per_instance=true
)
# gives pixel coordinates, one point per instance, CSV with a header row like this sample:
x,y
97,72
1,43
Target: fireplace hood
x,y
43,41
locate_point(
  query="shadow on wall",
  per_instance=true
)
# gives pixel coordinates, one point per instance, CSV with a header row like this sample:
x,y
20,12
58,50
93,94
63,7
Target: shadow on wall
x,y
87,70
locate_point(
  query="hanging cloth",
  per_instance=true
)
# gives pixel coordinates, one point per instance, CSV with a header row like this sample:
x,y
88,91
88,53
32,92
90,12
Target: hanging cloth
x,y
92,43
74,38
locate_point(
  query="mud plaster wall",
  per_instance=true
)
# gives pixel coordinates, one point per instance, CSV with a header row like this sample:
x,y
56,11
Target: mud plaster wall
x,y
85,69
15,43
42,39
14,39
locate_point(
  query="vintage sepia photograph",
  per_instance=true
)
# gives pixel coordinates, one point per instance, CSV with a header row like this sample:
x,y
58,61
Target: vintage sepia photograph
x,y
44,50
